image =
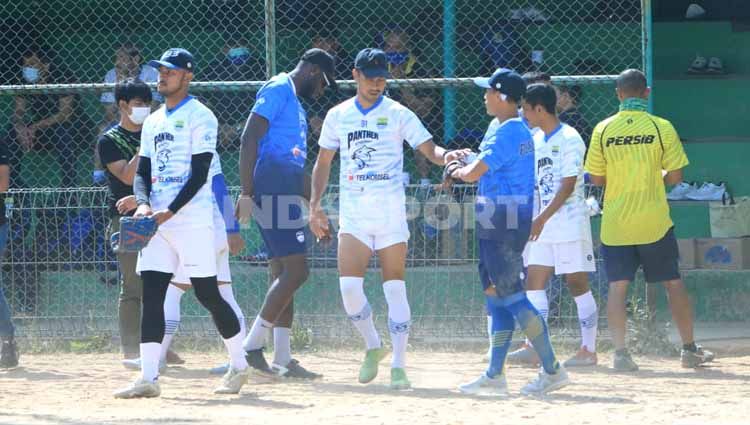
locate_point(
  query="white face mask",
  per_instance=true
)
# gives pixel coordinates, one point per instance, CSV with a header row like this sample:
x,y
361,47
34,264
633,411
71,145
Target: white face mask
x,y
138,114
30,74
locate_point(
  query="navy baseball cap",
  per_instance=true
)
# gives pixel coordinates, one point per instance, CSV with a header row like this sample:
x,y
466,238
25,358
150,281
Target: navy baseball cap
x,y
506,81
324,61
175,59
372,62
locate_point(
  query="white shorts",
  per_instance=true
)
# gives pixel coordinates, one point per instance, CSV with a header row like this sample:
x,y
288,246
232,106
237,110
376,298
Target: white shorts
x,y
170,249
376,242
565,257
222,255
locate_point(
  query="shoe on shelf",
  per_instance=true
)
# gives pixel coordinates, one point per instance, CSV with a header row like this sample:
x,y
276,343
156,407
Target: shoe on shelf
x,y
699,65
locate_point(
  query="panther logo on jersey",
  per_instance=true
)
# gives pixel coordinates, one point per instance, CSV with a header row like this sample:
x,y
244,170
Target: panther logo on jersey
x,y
361,156
162,158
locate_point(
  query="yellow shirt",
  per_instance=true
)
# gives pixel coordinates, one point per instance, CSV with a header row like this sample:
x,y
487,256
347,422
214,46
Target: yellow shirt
x,y
631,148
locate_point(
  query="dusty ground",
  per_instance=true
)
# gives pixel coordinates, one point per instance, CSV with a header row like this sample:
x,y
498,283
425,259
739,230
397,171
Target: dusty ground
x,y
76,389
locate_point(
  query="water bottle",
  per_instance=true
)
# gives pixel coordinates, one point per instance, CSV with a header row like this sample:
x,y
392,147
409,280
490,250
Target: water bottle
x,y
8,207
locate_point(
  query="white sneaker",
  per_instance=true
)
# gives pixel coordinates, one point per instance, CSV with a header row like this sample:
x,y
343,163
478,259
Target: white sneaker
x,y
140,389
486,385
715,66
135,364
546,383
708,192
699,65
681,191
233,381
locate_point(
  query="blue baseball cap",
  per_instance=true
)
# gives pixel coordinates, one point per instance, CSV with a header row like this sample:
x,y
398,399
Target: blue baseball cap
x,y
175,59
372,62
506,81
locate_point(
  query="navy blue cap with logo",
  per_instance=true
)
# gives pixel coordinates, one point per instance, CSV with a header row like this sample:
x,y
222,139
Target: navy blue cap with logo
x,y
175,59
372,62
506,81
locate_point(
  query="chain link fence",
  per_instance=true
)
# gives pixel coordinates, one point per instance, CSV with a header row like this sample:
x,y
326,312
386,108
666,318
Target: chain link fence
x,y
59,60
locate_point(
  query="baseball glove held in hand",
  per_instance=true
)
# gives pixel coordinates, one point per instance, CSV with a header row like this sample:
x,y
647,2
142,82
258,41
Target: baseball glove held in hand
x,y
134,234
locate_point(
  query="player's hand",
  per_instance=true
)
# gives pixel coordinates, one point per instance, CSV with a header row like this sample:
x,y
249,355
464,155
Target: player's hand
x,y
243,210
236,243
126,204
536,228
143,211
457,154
319,224
162,216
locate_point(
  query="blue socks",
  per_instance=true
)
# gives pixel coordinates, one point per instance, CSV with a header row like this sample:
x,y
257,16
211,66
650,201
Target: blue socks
x,y
502,332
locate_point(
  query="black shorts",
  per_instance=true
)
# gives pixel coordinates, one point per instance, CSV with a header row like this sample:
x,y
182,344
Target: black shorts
x,y
659,260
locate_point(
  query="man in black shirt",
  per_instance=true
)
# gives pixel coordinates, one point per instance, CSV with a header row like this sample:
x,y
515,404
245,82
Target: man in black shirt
x,y
568,99
118,150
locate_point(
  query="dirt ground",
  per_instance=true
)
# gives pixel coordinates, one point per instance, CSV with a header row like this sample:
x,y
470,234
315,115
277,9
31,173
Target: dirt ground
x,y
77,389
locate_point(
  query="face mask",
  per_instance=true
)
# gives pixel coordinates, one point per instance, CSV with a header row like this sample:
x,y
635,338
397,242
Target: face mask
x,y
239,55
397,58
139,114
30,74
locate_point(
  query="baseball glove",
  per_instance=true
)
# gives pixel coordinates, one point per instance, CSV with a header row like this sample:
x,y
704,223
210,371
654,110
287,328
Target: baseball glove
x,y
449,169
134,234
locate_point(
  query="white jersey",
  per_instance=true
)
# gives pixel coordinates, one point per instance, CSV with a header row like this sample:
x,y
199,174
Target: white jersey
x,y
558,156
170,139
372,154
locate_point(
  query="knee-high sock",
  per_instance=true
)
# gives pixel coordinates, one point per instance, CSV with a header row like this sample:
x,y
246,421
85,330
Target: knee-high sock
x,y
502,332
399,319
207,292
171,318
155,286
538,298
282,346
588,317
535,329
358,309
227,293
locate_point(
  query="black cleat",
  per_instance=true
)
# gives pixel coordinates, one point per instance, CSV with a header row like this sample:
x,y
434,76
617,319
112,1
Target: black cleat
x,y
8,354
257,361
293,370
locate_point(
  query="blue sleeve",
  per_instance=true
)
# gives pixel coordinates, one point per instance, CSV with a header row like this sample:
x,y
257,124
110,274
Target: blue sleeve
x,y
221,195
500,149
270,101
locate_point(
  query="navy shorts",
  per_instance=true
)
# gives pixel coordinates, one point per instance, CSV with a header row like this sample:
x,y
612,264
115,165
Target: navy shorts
x,y
501,263
282,227
658,259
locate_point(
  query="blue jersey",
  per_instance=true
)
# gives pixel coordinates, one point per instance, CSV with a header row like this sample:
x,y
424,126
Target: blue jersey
x,y
505,195
283,150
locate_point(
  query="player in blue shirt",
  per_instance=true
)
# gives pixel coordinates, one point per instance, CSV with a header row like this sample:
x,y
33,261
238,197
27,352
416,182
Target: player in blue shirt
x,y
504,169
272,160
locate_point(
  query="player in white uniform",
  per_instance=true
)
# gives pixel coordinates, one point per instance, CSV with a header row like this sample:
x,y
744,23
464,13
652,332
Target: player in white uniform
x,y
560,239
369,130
227,240
178,143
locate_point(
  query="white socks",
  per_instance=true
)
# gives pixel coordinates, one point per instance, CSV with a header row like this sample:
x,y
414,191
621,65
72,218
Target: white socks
x,y
588,317
150,360
171,318
399,319
228,295
236,353
540,302
282,346
358,309
256,339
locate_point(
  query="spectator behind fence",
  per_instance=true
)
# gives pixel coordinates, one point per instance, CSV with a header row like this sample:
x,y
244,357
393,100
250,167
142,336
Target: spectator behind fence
x,y
568,99
500,47
8,352
317,109
43,121
237,62
403,62
128,64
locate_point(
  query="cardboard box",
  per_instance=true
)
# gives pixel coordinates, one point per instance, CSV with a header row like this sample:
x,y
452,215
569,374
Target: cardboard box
x,y
687,251
724,253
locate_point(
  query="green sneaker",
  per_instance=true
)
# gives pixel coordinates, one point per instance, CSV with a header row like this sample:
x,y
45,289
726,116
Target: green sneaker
x,y
399,381
369,369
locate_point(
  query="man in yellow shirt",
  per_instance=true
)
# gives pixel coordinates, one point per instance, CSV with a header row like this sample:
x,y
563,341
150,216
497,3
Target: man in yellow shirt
x,y
628,152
